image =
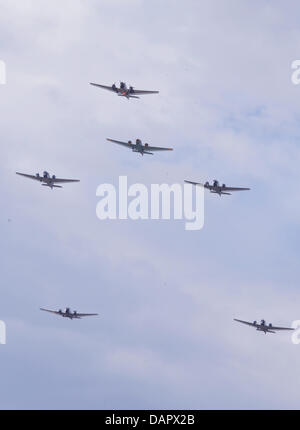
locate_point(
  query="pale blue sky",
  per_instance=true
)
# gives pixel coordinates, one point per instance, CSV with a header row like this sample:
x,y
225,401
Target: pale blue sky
x,y
165,337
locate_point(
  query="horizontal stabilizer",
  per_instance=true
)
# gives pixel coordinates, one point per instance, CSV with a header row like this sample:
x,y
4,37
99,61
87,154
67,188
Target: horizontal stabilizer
x,y
52,186
220,193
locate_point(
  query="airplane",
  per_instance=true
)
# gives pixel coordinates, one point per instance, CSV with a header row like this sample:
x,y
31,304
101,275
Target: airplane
x,y
263,326
139,147
123,91
216,188
69,314
47,180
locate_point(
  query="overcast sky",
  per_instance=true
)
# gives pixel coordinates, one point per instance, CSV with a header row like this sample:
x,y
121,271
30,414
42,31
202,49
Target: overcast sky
x,y
165,337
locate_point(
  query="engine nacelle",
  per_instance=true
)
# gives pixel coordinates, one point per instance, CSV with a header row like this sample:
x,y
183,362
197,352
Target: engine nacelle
x,y
37,175
53,177
146,145
224,185
129,141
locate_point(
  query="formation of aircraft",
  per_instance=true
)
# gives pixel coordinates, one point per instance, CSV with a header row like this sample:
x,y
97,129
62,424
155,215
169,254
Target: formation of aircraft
x,y
216,188
124,91
47,180
68,314
139,147
265,328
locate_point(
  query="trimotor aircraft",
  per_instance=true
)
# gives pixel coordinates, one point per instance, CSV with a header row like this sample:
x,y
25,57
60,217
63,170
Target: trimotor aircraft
x,y
47,180
139,147
68,314
124,91
262,326
216,188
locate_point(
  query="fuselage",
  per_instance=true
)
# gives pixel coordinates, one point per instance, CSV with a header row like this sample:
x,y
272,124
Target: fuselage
x,y
69,314
139,147
216,188
46,179
263,327
123,91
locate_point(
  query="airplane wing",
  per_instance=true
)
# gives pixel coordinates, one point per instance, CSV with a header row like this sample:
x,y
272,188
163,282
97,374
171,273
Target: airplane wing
x,y
30,176
280,328
234,189
128,145
141,92
212,187
56,180
86,315
157,148
104,87
51,312
247,323
64,181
